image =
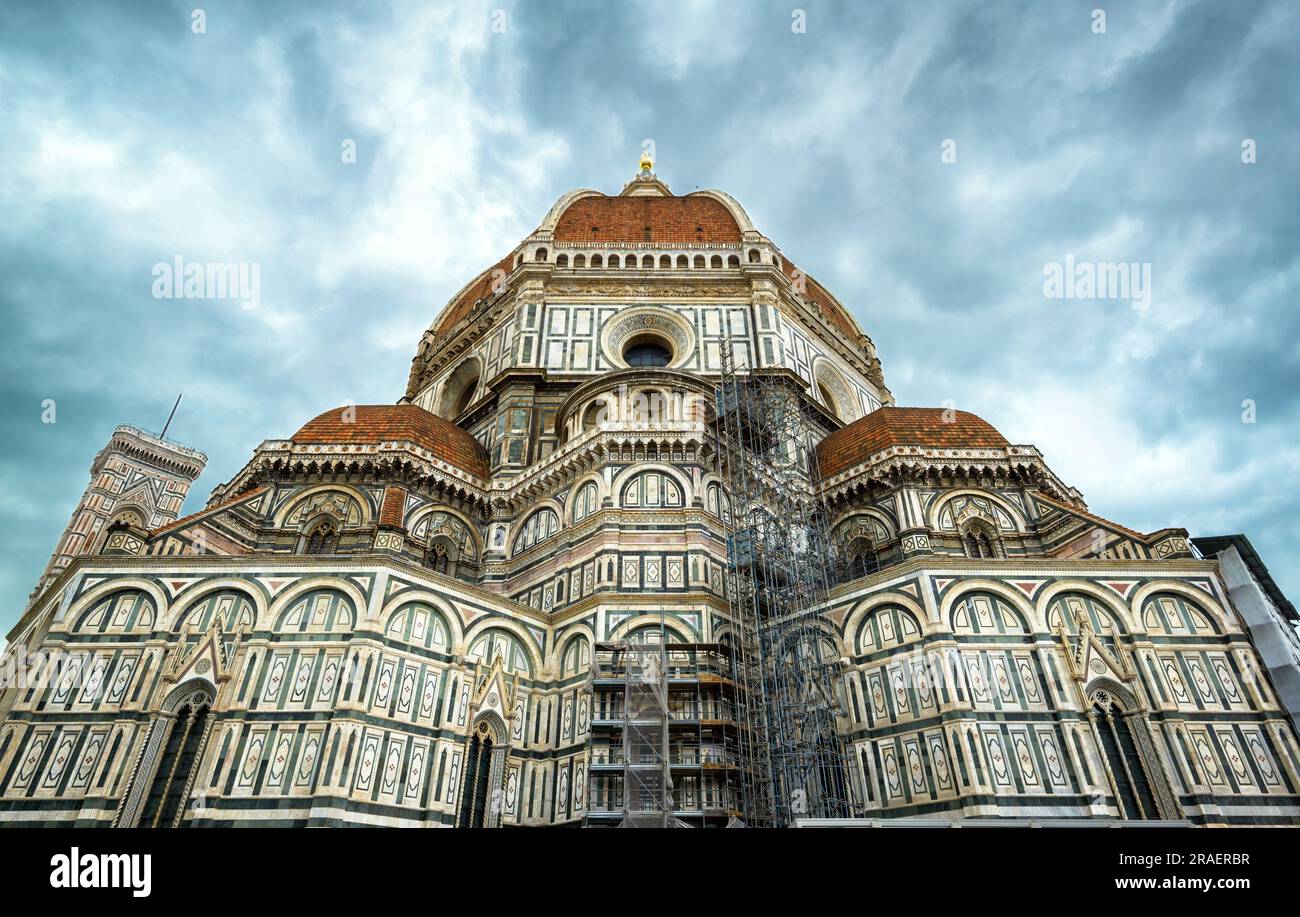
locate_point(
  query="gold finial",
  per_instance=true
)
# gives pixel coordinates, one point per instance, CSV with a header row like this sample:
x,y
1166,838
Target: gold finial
x,y
646,162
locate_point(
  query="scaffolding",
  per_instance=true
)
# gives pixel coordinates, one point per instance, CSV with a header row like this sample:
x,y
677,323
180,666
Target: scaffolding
x,y
663,750
793,763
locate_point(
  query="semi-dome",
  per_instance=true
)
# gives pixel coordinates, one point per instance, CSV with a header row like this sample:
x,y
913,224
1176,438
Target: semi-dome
x,y
930,428
369,424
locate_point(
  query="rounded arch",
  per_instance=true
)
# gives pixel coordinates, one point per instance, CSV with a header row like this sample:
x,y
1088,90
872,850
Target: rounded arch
x,y
191,596
282,603
572,506
574,656
422,624
1206,603
461,388
726,200
857,617
474,540
873,524
122,611
651,489
1109,600
623,477
304,508
340,613
455,626
1016,517
544,520
521,636
962,589
637,622
830,383
92,595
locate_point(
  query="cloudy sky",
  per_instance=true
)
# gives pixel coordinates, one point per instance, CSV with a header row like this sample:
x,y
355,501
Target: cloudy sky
x,y
126,139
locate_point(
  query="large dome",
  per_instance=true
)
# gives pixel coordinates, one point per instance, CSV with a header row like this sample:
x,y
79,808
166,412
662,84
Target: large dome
x,y
644,214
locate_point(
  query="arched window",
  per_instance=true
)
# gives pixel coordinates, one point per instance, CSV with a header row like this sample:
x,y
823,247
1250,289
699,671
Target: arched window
x,y
733,261
437,558
649,353
682,262
478,773
561,260
665,262
648,262
593,415
576,658
538,527
860,559
828,399
541,254
597,261
979,541
187,731
754,256
586,501
699,262
323,539
652,489
1120,742
715,261
579,261
717,502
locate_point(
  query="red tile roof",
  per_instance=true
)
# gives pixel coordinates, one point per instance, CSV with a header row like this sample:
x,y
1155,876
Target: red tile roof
x,y
889,426
669,220
375,423
481,288
824,301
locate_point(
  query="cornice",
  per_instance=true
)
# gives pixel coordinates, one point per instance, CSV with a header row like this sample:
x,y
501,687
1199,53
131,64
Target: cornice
x,y
941,564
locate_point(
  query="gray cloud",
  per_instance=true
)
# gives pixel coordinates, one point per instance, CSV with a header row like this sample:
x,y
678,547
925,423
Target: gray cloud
x,y
130,140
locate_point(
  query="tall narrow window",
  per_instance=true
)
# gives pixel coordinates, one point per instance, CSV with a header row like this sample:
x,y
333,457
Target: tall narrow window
x,y
1123,759
977,543
437,558
165,803
478,773
860,559
323,539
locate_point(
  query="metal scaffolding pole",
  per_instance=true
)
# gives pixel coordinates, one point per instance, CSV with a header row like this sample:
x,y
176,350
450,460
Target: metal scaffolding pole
x,y
779,564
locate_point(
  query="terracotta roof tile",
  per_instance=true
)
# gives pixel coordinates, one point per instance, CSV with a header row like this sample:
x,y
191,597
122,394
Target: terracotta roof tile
x,y
670,220
824,301
479,289
375,423
890,426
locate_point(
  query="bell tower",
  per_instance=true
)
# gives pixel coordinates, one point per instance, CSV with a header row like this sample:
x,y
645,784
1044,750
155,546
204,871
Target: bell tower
x,y
138,481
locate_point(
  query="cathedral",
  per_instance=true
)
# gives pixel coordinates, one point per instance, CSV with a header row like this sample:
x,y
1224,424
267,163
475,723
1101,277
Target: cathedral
x,y
510,598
